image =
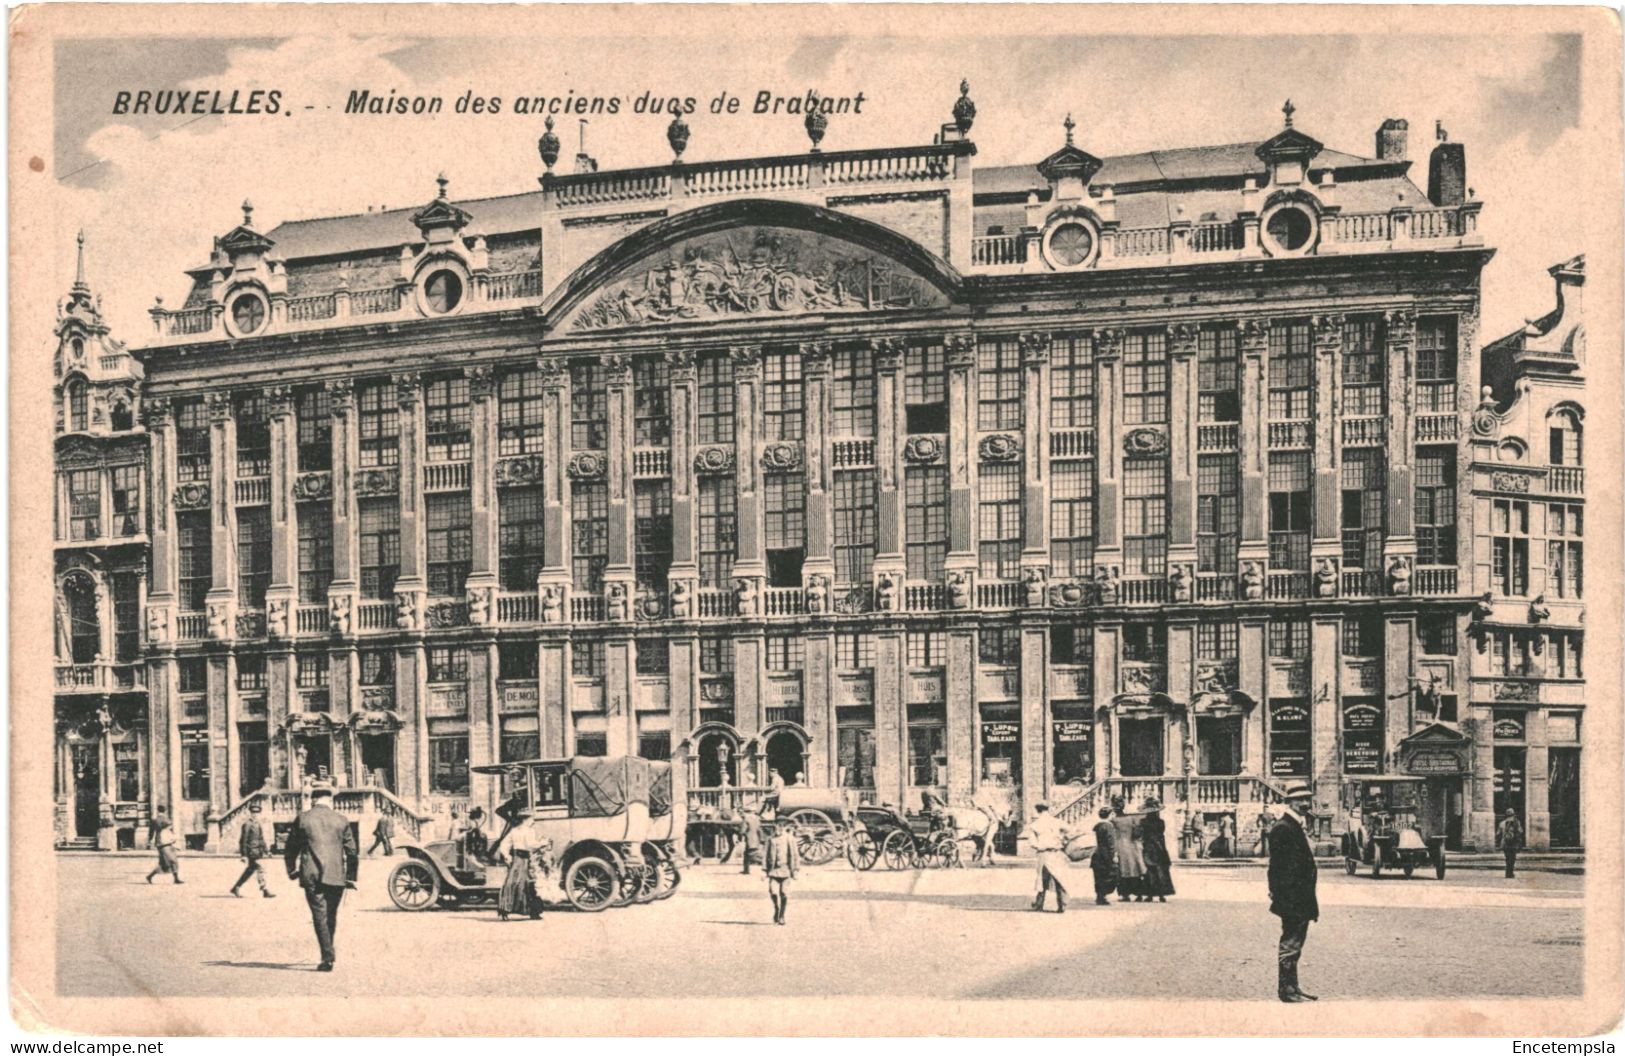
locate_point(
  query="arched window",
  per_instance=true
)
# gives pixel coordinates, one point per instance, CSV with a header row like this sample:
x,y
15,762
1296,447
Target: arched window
x,y
83,631
1565,439
78,406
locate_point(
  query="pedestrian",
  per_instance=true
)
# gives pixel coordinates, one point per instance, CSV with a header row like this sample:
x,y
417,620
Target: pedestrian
x,y
1103,863
1509,834
251,847
1159,879
780,861
753,839
529,856
1266,821
1048,836
161,835
475,842
990,800
322,854
1292,878
383,833
1130,862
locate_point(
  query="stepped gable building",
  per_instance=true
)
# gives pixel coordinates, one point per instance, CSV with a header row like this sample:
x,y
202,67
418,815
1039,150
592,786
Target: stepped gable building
x,y
875,468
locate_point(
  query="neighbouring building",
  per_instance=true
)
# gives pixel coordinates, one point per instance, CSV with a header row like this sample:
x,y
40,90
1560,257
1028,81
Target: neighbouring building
x,y
884,470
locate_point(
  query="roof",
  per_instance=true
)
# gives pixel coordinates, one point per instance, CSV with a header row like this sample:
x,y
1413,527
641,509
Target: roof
x,y
1226,161
389,229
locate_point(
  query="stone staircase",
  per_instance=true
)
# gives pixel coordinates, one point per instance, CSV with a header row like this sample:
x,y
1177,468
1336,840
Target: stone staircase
x,y
1241,797
281,806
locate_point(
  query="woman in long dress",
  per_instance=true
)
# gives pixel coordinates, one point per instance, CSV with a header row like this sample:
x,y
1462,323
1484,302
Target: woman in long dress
x,y
1159,881
1130,863
527,859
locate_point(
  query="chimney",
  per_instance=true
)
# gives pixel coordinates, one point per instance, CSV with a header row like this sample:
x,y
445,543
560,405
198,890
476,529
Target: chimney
x,y
1391,139
1447,170
585,161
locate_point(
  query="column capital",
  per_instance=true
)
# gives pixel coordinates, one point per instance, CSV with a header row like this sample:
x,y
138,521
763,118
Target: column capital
x,y
1255,335
554,371
482,381
341,395
888,352
815,356
961,349
617,369
1108,343
279,401
681,363
1182,338
219,404
157,413
747,360
408,388
1035,345
1401,325
1328,330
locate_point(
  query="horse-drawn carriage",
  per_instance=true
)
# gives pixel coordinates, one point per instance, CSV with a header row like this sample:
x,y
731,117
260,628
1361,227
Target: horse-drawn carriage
x,y
827,826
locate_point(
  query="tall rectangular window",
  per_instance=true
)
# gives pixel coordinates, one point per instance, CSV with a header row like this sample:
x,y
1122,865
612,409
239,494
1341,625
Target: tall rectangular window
x,y
1435,506
927,649
1291,370
1217,640
1069,644
1072,519
1565,551
1291,502
925,515
589,534
1362,636
715,398
587,658
1436,634
517,662
1145,378
1289,639
378,418
448,664
854,651
651,402
126,488
315,551
781,395
1218,374
1072,382
254,757
311,671
854,526
1364,500
651,501
84,503
1509,547
589,407
999,645
1218,513
196,559
784,503
191,441
251,672
253,435
446,418
784,652
998,520
314,409
126,616
519,538
253,555
1364,358
852,392
1145,517
654,656
377,667
998,384
1436,364
1145,643
716,655
448,764
380,547
718,525
450,538
925,388
519,412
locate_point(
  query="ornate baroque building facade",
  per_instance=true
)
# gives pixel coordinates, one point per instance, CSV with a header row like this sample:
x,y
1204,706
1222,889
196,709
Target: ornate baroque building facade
x,y
1139,475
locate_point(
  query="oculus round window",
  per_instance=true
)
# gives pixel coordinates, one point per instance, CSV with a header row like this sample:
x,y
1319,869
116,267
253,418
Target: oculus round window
x,y
1290,229
443,292
1070,243
247,313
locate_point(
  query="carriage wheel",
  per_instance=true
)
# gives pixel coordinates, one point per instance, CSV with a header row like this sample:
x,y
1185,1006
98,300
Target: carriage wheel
x,y
898,849
591,885
861,850
413,886
815,836
946,852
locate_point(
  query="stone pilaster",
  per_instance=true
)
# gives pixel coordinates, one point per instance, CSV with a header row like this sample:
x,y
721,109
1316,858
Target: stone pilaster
x,y
890,422
161,588
1182,419
1537,780
1325,704
618,400
815,380
817,707
891,723
1035,350
1108,642
963,739
960,353
1253,438
222,596
684,428
1401,334
1399,688
411,585
284,471
749,562
1108,448
483,448
1036,764
344,591
1252,673
1328,353
557,737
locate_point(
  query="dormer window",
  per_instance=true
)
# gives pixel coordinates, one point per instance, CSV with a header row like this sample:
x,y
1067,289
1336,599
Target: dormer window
x,y
1289,230
1070,244
443,292
78,406
78,348
247,314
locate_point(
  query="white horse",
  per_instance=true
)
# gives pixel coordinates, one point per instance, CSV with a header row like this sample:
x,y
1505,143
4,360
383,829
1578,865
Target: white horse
x,y
978,824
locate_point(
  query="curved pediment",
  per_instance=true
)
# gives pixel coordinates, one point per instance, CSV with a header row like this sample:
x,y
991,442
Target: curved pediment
x,y
747,260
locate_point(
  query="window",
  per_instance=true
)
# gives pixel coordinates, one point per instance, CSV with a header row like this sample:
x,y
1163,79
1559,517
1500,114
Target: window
x,y
1289,737
927,649
716,400
315,411
196,568
1565,555
784,652
1145,643
1436,634
1563,656
1362,636
251,672
1145,513
519,538
717,527
781,396
1218,513
654,656
1145,378
999,645
1436,365
253,436
1289,639
587,658
191,441
446,420
651,402
380,547
192,674
651,501
126,500
1291,499
127,771
784,503
998,385
1435,506
378,667
195,770
1072,382
1564,449
1291,367
516,661
1364,352
450,538
84,619
855,755
253,555
123,417
379,419
925,389
854,652
78,406
852,392
592,744
716,656
1217,640
927,743
84,504
589,407
654,745
315,551
998,520
1072,519
854,526
925,521
443,291
1069,644
448,764
589,534
126,616
1218,375
448,664
519,412
311,671
519,746
1509,543
1363,505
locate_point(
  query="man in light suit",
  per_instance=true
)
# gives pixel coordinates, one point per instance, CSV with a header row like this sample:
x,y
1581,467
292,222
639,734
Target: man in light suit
x,y
323,855
1292,875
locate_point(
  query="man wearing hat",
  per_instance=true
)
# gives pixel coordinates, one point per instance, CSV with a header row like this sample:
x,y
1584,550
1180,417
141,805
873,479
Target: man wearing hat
x,y
753,838
1509,834
323,855
251,847
1048,837
1292,875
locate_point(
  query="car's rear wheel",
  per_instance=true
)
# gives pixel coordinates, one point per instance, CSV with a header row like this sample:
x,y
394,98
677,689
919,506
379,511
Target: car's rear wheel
x,y
1376,860
591,885
670,877
413,886
1438,866
1410,867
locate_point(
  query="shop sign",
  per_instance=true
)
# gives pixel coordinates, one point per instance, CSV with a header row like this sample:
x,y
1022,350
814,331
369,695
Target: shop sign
x,y
1436,761
1072,731
1361,717
1509,729
1289,763
1362,753
1000,732
1289,715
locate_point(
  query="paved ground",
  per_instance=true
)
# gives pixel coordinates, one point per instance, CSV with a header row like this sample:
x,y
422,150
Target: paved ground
x,y
961,934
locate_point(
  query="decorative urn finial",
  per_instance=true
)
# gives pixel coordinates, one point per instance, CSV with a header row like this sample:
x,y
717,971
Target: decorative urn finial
x,y
816,122
1069,125
79,282
442,181
1288,109
248,213
964,109
548,146
677,136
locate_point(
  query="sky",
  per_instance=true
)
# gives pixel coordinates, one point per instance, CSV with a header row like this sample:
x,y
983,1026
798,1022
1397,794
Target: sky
x,y
152,192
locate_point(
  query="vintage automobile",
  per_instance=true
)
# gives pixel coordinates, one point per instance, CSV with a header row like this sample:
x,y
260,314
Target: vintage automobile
x,y
595,810
1383,831
661,874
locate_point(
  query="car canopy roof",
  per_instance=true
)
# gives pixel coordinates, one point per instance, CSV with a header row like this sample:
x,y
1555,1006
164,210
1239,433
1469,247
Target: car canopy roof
x,y
600,786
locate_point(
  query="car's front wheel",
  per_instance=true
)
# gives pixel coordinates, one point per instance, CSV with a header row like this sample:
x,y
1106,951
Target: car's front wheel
x,y
413,886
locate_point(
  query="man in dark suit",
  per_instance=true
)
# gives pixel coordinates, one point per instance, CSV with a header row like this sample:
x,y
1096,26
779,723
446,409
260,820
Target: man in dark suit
x,y
1292,875
383,834
251,847
323,854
